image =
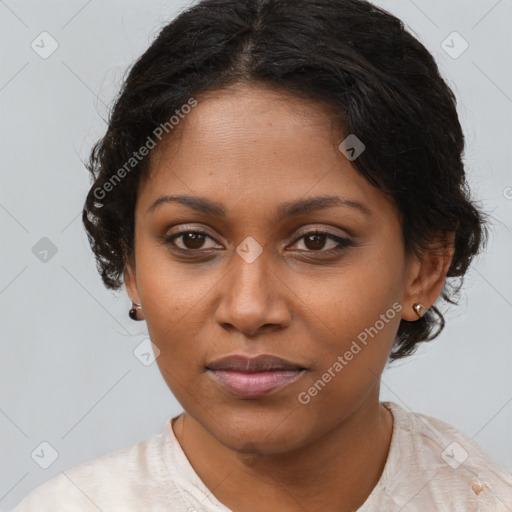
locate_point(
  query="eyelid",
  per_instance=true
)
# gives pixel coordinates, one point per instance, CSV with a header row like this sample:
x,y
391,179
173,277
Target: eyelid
x,y
320,230
185,228
168,238
342,240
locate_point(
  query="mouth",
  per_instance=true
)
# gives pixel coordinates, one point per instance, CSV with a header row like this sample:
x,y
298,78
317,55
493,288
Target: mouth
x,y
254,377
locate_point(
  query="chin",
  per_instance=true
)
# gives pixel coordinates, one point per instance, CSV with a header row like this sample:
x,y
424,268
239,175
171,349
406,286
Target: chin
x,y
257,432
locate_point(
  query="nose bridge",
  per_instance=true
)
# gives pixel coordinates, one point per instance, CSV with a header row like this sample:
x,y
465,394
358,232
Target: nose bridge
x,y
249,296
250,274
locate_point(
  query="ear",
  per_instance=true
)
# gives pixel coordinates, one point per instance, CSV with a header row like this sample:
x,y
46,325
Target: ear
x,y
426,275
130,280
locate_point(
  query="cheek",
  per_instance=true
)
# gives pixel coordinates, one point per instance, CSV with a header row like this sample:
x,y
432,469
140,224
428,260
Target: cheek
x,y
335,307
357,315
172,293
359,306
361,294
350,359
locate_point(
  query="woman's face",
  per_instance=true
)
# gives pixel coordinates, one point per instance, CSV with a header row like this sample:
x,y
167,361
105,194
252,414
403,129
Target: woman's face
x,y
257,281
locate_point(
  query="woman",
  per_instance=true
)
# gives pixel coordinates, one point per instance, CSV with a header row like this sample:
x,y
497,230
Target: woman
x,y
281,192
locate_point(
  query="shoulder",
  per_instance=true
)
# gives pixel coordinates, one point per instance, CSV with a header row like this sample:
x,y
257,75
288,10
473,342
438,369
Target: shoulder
x,y
436,465
127,476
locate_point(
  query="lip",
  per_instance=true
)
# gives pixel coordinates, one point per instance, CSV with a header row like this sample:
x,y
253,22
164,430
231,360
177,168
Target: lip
x,y
254,377
252,364
255,384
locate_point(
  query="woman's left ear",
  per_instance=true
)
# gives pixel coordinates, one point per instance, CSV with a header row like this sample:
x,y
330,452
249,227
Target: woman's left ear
x,y
427,275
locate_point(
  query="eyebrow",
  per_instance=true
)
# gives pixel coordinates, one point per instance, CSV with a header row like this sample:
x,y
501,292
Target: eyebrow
x,y
284,210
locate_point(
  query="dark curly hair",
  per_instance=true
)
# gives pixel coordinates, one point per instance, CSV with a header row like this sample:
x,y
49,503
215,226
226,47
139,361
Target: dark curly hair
x,y
349,55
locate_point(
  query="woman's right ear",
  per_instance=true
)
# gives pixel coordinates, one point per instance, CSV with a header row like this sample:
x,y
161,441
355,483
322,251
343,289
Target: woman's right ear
x,y
130,281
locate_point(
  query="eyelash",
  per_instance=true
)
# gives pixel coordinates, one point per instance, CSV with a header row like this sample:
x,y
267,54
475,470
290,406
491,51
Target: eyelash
x,y
343,243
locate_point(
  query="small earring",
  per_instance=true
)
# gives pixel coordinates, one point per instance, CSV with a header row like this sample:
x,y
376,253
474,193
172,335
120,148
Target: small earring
x,y
133,311
418,306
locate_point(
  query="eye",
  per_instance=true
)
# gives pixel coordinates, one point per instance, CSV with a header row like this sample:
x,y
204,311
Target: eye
x,y
190,240
315,241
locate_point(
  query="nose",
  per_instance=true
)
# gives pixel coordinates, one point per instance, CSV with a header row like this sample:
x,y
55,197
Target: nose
x,y
253,298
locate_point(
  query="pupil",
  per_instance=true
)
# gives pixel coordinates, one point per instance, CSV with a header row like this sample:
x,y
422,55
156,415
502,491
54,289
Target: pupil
x,y
318,241
196,240
193,240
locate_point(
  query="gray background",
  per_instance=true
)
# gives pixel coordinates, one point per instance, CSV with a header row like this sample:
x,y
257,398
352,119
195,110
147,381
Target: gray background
x,y
68,373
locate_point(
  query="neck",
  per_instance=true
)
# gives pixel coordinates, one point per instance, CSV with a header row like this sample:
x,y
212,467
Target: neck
x,y
337,471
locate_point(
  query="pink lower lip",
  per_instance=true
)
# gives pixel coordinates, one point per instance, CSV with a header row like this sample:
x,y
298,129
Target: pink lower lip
x,y
254,385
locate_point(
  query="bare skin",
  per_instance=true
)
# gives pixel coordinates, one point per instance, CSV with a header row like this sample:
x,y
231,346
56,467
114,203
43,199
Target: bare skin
x,y
250,149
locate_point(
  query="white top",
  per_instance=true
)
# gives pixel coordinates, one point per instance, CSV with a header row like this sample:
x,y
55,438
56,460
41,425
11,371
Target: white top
x,y
431,466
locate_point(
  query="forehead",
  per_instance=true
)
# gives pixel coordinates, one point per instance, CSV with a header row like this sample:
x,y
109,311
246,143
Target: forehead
x,y
256,145
247,116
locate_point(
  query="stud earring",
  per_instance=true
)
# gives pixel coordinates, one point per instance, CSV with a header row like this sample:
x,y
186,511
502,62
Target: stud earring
x,y
418,306
133,311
